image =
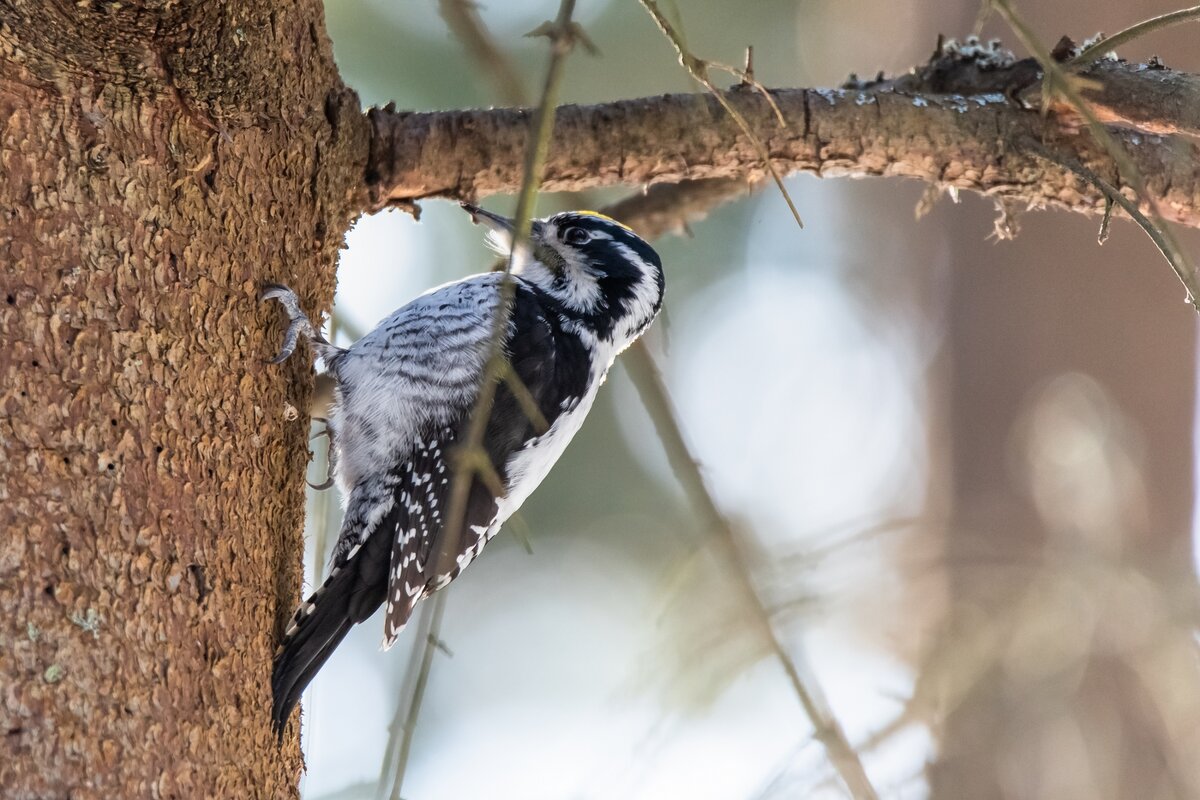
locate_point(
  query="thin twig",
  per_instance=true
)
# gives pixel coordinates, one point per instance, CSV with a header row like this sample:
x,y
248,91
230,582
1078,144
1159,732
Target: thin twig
x,y
1114,196
826,729
1098,49
427,644
321,513
520,530
524,398
395,728
471,457
471,460
1105,222
670,207
462,17
698,69
1163,237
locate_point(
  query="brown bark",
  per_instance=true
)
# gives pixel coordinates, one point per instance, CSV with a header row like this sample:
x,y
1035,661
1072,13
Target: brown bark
x,y
159,164
1150,97
948,126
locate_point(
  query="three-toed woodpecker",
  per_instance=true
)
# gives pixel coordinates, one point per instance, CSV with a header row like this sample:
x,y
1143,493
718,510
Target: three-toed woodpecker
x,y
586,289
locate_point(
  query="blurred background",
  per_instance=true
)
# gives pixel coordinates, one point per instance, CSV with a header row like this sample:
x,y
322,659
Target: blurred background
x,y
960,470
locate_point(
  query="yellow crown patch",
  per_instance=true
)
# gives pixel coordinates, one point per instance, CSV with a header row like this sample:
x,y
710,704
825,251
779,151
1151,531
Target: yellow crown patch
x,y
605,217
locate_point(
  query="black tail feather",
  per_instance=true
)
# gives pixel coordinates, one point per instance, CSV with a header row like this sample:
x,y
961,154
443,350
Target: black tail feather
x,y
305,652
350,595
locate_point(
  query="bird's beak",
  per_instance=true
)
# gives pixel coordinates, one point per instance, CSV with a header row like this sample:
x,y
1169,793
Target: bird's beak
x,y
503,229
502,226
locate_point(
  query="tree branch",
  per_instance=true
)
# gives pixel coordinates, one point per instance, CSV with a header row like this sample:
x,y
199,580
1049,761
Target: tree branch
x,y
1146,96
954,123
670,207
1109,43
699,70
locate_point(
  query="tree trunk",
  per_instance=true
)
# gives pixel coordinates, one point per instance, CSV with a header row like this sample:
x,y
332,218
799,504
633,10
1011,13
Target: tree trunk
x,y
160,163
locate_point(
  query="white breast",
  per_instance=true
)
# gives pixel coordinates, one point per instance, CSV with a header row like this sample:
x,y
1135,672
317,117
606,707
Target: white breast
x,y
529,466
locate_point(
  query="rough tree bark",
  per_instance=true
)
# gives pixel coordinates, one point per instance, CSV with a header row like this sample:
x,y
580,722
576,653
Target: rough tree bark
x,y
161,161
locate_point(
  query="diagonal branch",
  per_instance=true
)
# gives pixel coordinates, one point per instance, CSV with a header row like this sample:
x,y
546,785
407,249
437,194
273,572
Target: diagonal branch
x,y
664,208
826,728
401,737
1129,207
472,458
462,17
1099,48
670,207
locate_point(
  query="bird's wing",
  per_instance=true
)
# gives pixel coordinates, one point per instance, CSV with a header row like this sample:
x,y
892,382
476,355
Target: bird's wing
x,y
427,552
415,380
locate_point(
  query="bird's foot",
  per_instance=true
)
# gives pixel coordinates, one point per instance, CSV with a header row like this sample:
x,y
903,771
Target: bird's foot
x,y
298,322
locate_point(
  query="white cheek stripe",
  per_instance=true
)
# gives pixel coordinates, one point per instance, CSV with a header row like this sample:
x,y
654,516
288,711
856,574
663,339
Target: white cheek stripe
x,y
646,294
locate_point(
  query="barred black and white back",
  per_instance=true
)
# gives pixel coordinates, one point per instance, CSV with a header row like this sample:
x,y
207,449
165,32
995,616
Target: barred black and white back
x,y
404,396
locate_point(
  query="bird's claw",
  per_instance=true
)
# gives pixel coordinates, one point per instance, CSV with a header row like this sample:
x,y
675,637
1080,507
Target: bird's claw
x,y
297,320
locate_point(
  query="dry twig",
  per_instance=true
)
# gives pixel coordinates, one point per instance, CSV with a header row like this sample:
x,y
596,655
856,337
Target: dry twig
x,y
1107,44
670,207
470,459
462,17
428,642
1062,83
826,728
698,69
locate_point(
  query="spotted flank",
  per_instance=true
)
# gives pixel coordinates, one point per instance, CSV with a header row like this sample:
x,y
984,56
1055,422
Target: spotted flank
x,y
423,496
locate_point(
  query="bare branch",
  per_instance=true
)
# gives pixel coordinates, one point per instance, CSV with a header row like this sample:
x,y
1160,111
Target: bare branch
x,y
1153,98
472,460
400,736
698,69
1116,198
1127,168
968,140
664,208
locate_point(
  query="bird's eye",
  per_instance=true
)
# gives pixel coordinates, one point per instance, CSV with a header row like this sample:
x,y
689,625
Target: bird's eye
x,y
576,236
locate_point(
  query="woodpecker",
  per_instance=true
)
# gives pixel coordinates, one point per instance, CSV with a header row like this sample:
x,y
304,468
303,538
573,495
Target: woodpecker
x,y
586,287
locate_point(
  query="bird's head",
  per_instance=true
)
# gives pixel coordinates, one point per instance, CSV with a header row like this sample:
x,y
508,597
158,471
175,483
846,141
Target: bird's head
x,y
600,271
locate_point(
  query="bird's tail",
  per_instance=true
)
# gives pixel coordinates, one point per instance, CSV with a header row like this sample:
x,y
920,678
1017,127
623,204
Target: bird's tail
x,y
349,595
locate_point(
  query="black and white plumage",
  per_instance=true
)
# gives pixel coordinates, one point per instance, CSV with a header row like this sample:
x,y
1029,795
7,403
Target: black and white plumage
x,y
403,400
